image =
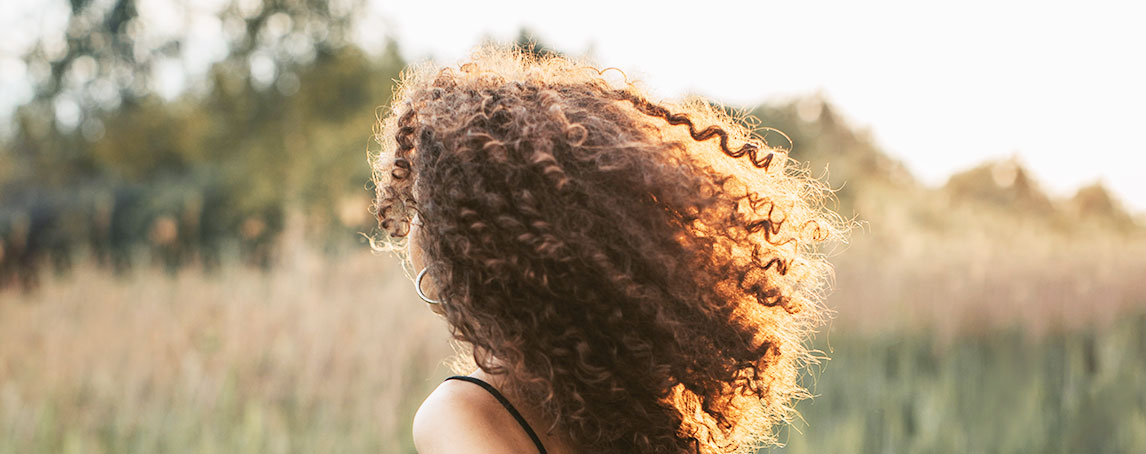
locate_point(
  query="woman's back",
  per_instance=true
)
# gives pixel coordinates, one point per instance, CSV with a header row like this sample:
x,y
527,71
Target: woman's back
x,y
468,414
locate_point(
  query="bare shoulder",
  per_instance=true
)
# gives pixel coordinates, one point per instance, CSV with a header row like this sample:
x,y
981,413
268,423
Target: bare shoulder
x,y
460,417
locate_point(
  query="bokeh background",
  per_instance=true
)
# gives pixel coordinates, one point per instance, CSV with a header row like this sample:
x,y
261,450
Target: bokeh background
x,y
184,205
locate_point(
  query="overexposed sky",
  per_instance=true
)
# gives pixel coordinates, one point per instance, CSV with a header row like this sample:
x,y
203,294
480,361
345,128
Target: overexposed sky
x,y
942,87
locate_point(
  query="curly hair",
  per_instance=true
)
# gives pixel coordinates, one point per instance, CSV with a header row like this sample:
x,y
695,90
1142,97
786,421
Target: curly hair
x,y
649,288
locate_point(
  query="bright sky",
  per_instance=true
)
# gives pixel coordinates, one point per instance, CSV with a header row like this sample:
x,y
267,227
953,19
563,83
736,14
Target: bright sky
x,y
941,87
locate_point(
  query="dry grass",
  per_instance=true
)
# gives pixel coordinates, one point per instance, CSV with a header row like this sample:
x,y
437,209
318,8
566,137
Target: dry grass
x,y
314,356
957,268
967,287
334,355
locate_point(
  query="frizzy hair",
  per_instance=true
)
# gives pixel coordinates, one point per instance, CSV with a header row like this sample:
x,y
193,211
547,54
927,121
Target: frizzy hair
x,y
648,288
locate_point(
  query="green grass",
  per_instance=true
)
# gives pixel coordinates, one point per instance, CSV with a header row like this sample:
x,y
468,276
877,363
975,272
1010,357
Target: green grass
x,y
999,391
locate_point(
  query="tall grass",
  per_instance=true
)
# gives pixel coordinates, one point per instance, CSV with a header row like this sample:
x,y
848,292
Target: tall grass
x,y
937,346
965,269
1004,391
313,356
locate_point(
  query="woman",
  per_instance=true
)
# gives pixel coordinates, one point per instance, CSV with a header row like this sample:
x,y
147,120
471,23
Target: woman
x,y
632,276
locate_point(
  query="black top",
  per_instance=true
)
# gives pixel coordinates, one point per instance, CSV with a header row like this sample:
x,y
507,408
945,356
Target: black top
x,y
505,403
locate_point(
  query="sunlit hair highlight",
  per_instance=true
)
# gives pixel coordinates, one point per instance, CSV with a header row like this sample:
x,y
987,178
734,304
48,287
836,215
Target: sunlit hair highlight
x,y
647,272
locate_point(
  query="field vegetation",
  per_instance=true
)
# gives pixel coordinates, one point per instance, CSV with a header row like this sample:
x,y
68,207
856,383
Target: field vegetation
x,y
189,273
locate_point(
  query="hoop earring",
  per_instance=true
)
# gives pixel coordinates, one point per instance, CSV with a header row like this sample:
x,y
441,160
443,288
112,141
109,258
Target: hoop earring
x,y
418,287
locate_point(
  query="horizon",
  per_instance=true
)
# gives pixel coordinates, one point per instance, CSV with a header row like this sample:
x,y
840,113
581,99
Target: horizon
x,y
887,77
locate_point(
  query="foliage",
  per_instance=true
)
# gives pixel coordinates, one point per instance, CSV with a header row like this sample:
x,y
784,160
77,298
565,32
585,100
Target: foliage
x,y
184,179
100,164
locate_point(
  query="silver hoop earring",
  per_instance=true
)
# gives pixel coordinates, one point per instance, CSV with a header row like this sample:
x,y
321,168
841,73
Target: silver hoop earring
x,y
418,287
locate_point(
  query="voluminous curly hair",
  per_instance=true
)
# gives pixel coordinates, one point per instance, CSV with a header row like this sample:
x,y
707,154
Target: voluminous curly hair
x,y
647,273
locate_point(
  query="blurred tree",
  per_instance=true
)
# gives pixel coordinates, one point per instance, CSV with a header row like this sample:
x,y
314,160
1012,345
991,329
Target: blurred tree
x,y
280,122
528,41
126,149
847,157
1005,185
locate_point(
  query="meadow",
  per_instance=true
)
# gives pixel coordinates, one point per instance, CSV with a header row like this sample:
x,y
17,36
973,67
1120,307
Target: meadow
x,y
333,353
998,392
314,355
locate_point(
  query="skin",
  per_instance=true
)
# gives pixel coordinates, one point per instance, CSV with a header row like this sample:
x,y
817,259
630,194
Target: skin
x,y
462,418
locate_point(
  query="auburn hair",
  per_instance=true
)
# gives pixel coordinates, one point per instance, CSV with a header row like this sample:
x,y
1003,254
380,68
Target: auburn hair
x,y
646,273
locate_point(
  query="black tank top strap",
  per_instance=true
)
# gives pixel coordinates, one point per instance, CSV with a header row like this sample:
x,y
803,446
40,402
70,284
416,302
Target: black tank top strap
x,y
505,403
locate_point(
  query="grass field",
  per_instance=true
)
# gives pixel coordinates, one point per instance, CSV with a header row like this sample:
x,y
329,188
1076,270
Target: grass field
x,y
1074,391
334,355
314,356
